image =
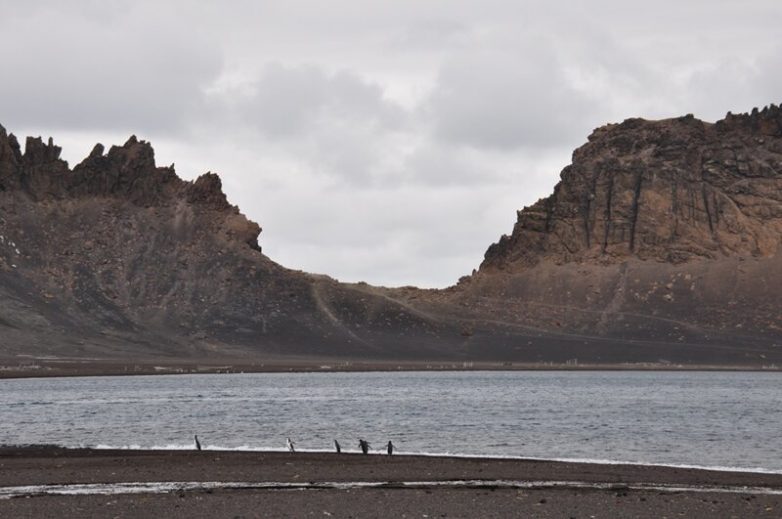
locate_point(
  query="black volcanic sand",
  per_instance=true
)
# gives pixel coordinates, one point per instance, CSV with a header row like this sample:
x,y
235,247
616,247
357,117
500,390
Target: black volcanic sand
x,y
13,368
45,465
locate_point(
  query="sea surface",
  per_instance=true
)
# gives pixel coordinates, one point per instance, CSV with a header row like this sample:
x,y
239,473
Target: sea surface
x,y
707,419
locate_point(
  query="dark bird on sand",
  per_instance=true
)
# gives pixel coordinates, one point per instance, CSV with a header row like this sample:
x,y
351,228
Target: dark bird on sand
x,y
390,448
336,444
290,445
198,443
364,445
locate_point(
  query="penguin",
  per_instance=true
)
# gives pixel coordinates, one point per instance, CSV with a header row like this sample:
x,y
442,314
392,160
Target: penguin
x,y
197,443
390,448
290,445
364,445
336,444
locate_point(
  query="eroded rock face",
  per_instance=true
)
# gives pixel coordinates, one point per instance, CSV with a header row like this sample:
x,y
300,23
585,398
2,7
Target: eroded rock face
x,y
659,245
662,236
10,161
121,258
673,191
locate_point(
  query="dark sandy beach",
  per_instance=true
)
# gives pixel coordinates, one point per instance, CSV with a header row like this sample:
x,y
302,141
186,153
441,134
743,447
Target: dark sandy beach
x,y
353,485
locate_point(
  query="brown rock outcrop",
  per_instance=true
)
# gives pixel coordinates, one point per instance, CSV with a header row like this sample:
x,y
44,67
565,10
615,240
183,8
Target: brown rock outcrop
x,y
10,161
660,244
671,191
661,236
119,258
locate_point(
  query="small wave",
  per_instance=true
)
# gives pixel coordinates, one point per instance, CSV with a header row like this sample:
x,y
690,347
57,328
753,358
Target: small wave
x,y
218,448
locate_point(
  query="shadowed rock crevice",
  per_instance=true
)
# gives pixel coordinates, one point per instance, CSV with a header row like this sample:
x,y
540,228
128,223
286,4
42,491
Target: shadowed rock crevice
x,y
639,178
607,229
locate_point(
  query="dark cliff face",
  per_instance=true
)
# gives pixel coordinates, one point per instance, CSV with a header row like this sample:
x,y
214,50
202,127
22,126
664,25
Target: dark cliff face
x,y
659,244
119,257
10,161
658,233
128,172
673,191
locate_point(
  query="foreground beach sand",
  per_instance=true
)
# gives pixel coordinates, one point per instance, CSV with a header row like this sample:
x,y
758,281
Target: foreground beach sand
x,y
220,484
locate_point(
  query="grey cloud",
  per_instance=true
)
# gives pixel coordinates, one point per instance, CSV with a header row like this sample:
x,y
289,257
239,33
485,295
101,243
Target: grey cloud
x,y
290,101
441,165
497,99
430,34
769,83
743,84
342,125
736,92
101,70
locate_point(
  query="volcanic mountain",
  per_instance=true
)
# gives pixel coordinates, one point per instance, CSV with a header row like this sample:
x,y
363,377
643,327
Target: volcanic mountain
x,y
660,245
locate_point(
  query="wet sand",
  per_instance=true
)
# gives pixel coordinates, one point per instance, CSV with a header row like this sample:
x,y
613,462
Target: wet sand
x,y
331,485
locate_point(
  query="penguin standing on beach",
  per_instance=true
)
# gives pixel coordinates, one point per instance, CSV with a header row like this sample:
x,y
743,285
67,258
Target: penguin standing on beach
x,y
198,443
290,444
364,445
336,444
390,448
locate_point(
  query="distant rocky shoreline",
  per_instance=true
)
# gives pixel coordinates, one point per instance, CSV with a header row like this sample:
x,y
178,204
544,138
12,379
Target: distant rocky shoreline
x,y
85,369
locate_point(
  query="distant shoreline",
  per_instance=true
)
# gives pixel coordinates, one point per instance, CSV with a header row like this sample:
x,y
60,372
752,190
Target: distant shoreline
x,y
213,483
59,450
74,367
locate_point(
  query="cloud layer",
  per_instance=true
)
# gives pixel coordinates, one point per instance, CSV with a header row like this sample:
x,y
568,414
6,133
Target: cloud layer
x,y
389,142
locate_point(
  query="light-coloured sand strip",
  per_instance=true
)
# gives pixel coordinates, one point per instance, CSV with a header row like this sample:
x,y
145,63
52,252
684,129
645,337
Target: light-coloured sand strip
x,y
163,487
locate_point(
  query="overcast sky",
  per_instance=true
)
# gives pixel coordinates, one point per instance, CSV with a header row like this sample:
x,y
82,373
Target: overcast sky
x,y
389,142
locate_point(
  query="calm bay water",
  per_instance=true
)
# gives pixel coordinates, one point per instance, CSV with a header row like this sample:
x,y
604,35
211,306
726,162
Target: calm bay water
x,y
704,419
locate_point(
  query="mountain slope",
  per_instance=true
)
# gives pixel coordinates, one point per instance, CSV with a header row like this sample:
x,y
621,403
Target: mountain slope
x,y
660,244
121,258
663,231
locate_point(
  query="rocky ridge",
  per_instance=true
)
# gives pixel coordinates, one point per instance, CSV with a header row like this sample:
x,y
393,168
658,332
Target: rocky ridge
x,y
664,231
671,191
118,257
659,245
